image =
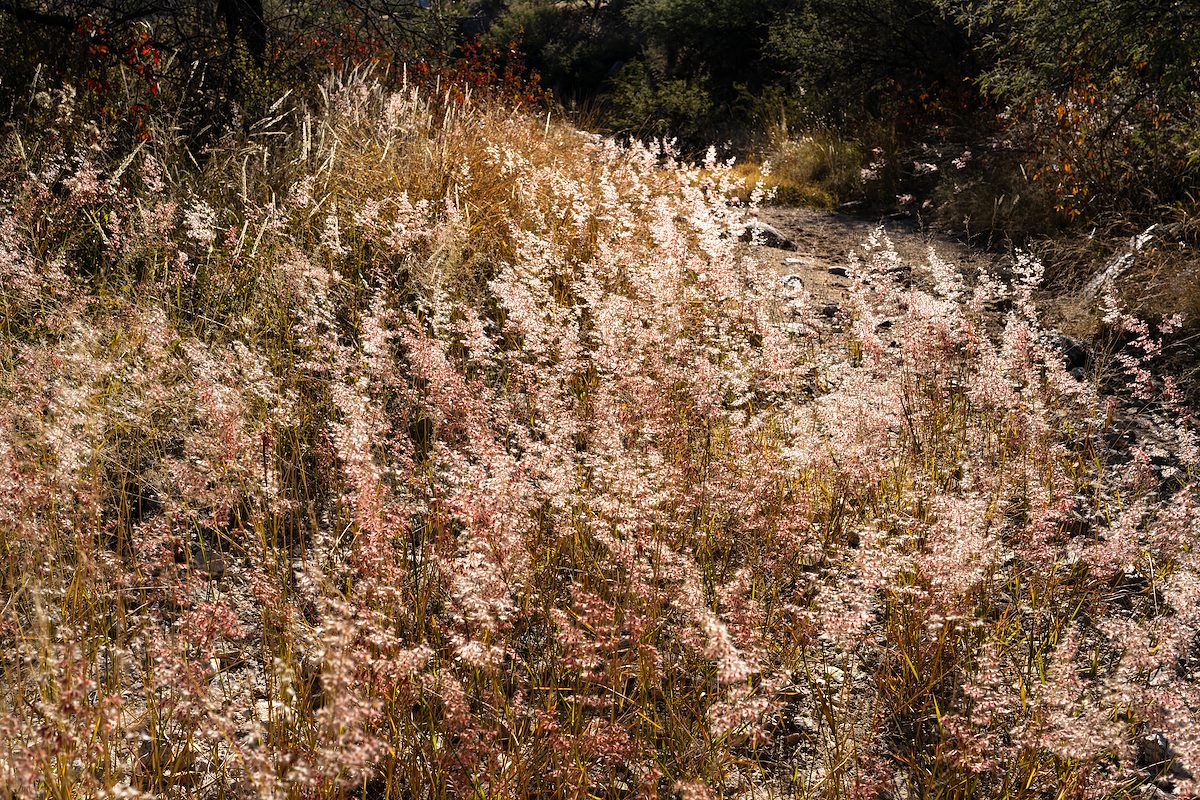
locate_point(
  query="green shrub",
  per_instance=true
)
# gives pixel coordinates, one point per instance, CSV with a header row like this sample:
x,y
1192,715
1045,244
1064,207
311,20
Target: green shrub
x,y
641,105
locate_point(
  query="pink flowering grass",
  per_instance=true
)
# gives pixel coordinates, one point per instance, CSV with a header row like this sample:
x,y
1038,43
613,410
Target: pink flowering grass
x,y
401,450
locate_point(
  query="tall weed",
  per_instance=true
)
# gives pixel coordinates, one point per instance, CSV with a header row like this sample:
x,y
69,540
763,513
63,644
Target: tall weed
x,y
408,446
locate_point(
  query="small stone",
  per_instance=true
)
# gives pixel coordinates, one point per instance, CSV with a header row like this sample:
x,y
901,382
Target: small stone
x,y
210,563
1156,754
265,710
840,272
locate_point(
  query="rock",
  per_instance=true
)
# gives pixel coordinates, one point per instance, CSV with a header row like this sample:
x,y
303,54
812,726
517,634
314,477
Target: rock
x,y
830,310
143,501
1156,754
161,763
1113,268
840,272
209,562
761,233
792,281
268,712
831,677
1075,356
1079,518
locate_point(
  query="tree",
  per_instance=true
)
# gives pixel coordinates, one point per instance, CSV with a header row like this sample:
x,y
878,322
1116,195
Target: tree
x,y
858,57
234,42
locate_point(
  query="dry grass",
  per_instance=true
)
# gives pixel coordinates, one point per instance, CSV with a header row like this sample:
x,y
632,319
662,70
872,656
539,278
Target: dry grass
x,y
817,170
409,448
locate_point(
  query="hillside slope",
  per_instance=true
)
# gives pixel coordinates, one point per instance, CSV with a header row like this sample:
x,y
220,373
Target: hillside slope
x,y
407,448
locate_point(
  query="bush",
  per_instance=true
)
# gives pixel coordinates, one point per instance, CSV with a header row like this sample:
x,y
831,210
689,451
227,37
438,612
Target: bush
x,y
1102,94
698,72
818,169
902,62
649,107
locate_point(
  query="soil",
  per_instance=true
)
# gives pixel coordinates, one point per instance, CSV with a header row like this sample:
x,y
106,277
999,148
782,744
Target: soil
x,y
824,242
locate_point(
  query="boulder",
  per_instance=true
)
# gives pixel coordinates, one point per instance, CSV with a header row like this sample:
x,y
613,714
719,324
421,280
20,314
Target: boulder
x,y
757,232
1074,354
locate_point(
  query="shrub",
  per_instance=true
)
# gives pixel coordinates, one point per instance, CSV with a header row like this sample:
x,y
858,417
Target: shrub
x,y
649,107
818,169
1103,96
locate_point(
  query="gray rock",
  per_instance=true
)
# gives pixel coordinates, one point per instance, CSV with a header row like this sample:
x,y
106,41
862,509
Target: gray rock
x,y
757,232
1113,268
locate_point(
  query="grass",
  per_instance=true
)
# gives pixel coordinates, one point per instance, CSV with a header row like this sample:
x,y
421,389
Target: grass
x,y
819,169
405,446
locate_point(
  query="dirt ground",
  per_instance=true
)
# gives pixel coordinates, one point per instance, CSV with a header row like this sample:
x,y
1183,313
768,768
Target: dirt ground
x,y
824,242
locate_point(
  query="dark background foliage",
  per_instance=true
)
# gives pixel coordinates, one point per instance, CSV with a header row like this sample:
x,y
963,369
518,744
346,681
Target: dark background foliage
x,y
1084,110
